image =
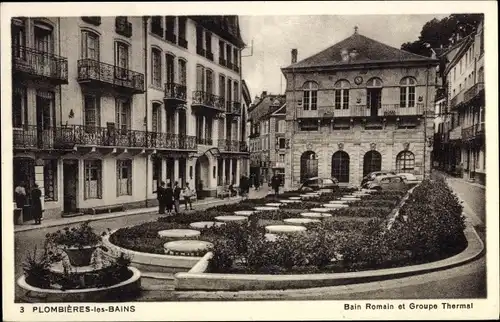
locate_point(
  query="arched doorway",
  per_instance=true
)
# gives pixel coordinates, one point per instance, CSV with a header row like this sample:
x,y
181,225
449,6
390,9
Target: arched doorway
x,y
372,161
202,173
308,165
340,166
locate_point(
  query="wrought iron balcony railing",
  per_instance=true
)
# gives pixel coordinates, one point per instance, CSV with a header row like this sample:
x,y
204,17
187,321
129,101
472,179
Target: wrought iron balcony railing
x,y
473,91
99,73
176,92
457,100
243,146
183,42
66,137
37,64
201,98
233,108
229,145
94,20
384,110
473,131
123,26
204,141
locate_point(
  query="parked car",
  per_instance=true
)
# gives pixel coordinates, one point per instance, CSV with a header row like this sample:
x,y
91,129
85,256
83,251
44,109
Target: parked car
x,y
387,182
372,175
408,177
316,183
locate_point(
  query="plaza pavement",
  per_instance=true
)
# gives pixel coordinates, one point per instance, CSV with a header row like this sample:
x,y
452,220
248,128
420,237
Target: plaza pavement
x,y
466,281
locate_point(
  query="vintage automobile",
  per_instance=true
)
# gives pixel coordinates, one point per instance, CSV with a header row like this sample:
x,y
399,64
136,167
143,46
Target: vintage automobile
x,y
372,175
409,178
387,182
316,183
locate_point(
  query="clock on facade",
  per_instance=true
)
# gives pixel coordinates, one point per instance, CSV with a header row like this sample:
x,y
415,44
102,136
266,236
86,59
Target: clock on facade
x,y
358,80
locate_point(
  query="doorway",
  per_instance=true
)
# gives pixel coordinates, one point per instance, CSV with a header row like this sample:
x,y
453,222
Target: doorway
x,y
372,161
308,166
374,100
70,181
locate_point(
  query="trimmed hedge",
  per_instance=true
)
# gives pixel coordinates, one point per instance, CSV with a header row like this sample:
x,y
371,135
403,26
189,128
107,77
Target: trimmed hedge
x,y
365,212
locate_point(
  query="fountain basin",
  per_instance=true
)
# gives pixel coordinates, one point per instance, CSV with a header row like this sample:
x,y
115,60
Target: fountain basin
x,y
301,221
231,218
244,212
285,229
315,215
187,247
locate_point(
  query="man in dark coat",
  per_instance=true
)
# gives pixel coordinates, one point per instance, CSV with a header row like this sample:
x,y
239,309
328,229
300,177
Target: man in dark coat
x,y
275,184
177,197
36,204
169,198
160,195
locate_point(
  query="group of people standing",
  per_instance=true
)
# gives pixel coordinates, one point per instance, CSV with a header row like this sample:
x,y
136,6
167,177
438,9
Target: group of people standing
x,y
21,199
169,197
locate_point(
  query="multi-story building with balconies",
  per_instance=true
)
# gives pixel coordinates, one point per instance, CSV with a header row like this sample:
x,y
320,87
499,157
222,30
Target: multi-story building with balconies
x,y
464,75
358,106
106,107
267,136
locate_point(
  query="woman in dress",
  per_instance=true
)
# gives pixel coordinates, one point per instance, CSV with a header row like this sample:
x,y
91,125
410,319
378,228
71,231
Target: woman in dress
x,y
36,207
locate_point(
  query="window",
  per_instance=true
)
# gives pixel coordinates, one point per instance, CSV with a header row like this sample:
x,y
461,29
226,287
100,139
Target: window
x,y
18,38
43,38
93,179
310,97
281,143
281,158
50,179
121,60
454,73
182,72
235,57
221,52
199,39
229,89
90,45
170,28
405,161
342,95
124,177
200,78
170,68
309,125
209,81
208,127
157,25
228,55
19,107
182,28
208,42
236,96
461,65
92,112
281,126
156,67
480,75
156,118
222,87
123,115
407,92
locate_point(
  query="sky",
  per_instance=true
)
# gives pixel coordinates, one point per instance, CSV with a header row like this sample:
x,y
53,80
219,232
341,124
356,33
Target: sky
x,y
274,36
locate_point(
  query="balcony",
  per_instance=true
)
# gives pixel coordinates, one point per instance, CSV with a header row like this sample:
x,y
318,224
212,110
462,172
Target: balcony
x,y
204,141
175,93
169,36
38,65
208,101
473,91
98,74
123,27
229,145
96,21
456,134
233,108
457,100
385,110
33,137
473,132
171,141
222,61
243,146
183,42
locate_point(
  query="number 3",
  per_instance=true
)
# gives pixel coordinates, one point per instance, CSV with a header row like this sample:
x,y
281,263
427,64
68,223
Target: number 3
x,y
22,309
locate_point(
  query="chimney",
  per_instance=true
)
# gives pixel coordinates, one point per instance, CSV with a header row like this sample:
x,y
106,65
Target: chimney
x,y
294,55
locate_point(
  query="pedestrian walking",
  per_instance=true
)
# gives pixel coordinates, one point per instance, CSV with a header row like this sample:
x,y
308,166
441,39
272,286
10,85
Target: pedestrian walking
x,y
160,195
169,198
177,197
257,184
36,204
188,193
275,184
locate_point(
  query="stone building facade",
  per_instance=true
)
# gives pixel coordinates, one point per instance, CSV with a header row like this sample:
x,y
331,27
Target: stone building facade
x,y
356,107
104,108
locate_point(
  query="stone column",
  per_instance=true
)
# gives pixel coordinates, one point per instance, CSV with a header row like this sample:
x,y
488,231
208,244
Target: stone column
x,y
238,174
203,124
176,126
39,180
223,171
176,170
230,171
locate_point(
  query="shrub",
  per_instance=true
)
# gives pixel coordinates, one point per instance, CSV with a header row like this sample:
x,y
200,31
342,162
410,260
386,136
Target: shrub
x,y
374,203
229,208
379,212
186,219
37,269
78,237
302,205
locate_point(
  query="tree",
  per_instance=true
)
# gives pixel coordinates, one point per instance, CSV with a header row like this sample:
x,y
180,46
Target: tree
x,y
436,33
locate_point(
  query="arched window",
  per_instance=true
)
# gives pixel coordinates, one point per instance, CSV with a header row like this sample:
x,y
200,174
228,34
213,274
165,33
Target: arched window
x,y
405,161
310,98
372,161
374,82
308,166
342,95
407,92
156,67
340,166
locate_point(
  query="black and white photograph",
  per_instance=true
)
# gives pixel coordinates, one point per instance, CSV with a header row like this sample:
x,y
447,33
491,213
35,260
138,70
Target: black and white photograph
x,y
193,161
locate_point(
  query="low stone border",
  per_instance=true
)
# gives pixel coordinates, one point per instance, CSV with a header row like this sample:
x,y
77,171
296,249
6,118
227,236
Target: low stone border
x,y
147,262
130,287
201,281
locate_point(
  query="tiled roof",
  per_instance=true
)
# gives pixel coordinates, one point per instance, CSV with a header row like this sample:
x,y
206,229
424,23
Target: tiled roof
x,y
367,50
266,107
